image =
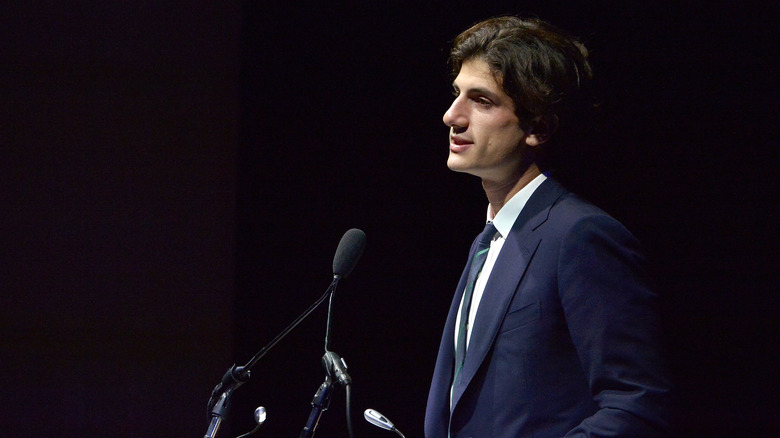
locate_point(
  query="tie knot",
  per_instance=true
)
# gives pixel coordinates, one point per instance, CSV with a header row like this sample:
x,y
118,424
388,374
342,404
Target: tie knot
x,y
487,235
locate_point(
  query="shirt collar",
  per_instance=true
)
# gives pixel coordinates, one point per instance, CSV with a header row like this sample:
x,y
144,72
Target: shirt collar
x,y
508,214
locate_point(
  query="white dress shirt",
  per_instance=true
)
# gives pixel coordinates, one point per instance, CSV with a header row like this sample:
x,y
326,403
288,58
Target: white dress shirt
x,y
503,222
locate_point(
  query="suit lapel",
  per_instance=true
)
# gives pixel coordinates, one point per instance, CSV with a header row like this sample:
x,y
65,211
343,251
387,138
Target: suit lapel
x,y
505,277
438,408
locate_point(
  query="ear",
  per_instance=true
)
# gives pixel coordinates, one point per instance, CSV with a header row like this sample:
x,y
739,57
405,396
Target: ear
x,y
541,129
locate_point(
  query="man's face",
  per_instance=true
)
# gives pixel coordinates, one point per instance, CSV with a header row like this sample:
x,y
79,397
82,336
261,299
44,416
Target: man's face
x,y
485,135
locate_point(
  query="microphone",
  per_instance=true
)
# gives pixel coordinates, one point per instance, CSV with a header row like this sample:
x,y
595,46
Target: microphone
x,y
260,414
347,255
380,421
348,252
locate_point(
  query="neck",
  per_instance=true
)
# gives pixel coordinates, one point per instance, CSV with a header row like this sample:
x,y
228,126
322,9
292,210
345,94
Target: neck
x,y
500,192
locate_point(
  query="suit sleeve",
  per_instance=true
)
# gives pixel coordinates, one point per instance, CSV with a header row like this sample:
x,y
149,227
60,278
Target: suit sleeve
x,y
613,322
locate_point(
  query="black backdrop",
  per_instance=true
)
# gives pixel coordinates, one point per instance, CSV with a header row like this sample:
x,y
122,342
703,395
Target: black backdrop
x,y
177,177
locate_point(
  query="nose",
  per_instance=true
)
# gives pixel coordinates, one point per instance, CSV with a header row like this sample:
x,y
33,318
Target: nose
x,y
455,116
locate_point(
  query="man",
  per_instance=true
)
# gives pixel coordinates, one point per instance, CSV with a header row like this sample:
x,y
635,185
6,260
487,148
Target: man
x,y
557,336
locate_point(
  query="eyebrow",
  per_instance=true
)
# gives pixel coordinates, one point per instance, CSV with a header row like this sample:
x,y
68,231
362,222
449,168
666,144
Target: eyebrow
x,y
478,90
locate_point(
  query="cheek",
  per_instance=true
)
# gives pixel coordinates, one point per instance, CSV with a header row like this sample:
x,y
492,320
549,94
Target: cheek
x,y
512,127
497,131
507,135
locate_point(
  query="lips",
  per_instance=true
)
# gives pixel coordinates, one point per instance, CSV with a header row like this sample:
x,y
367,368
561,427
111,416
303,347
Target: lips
x,y
459,144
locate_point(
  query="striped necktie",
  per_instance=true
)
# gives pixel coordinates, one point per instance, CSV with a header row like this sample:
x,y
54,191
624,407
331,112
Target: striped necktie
x,y
476,266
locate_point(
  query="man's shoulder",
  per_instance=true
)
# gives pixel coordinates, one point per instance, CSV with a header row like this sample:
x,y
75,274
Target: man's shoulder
x,y
573,217
553,208
573,206
567,211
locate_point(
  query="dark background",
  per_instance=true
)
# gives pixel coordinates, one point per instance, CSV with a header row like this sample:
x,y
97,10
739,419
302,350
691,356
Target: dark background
x,y
177,175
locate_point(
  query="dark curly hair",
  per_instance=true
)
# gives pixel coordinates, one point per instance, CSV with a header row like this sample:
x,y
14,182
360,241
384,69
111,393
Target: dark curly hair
x,y
544,70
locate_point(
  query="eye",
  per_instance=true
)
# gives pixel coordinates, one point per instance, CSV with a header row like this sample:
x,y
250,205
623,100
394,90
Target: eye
x,y
482,101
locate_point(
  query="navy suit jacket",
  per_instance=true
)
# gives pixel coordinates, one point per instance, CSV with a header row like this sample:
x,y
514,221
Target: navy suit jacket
x,y
566,338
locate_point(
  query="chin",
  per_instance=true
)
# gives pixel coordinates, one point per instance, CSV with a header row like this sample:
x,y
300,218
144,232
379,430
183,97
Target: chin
x,y
458,164
454,166
461,169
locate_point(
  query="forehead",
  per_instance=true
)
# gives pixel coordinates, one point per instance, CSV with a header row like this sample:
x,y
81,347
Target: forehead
x,y
476,73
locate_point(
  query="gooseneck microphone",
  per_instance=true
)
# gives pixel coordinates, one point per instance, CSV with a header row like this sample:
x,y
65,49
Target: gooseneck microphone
x,y
346,257
380,421
348,252
260,414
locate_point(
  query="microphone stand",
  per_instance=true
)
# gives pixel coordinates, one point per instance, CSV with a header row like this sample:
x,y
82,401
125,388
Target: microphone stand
x,y
336,370
219,403
319,404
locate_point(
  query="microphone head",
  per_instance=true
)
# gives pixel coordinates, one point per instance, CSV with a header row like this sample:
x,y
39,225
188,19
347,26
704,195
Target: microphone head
x,y
260,414
348,252
378,419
